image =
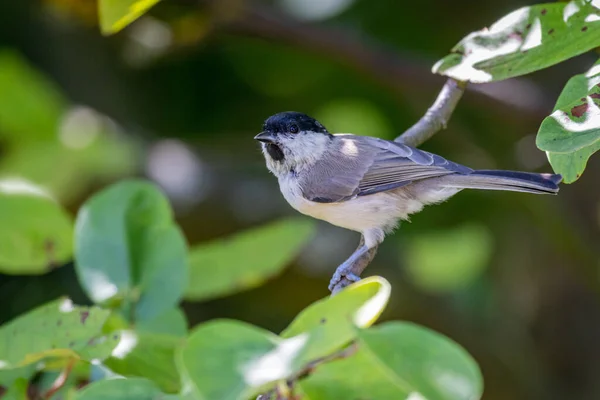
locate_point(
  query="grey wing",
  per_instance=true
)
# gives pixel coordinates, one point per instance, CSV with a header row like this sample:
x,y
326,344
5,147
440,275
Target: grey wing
x,y
398,165
361,166
337,175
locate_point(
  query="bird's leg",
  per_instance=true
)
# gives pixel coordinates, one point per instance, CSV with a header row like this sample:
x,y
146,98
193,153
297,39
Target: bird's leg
x,y
349,272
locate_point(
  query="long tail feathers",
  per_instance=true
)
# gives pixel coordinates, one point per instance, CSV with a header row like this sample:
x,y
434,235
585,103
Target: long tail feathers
x,y
506,180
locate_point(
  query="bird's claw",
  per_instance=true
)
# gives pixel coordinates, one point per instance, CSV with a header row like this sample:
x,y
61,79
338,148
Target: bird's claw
x,y
342,278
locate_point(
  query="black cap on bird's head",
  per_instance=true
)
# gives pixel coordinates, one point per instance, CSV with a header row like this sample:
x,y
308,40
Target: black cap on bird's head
x,y
289,123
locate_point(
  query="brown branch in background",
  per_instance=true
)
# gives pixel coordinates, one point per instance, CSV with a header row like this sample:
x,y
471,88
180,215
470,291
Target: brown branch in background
x,y
343,46
385,65
60,380
436,117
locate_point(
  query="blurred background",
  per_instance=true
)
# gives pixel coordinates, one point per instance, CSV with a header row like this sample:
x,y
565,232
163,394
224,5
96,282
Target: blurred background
x,y
178,96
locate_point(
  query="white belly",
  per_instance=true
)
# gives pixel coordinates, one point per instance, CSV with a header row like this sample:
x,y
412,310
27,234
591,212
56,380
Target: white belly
x,y
377,211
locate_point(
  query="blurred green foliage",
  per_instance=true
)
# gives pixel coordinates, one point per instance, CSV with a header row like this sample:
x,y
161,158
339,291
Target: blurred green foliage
x,y
459,258
264,251
56,331
36,234
132,259
129,251
59,147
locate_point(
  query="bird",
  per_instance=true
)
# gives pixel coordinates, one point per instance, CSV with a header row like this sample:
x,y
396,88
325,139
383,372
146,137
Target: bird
x,y
368,184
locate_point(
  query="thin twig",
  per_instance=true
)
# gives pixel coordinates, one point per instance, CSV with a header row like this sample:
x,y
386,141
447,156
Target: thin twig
x,y
436,117
60,380
310,367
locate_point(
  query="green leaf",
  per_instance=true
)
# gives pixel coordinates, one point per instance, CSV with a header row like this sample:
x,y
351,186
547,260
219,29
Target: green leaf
x,y
571,134
17,391
171,322
526,40
36,234
57,330
129,250
331,322
123,389
446,260
147,355
398,361
246,357
117,14
251,360
9,376
245,260
30,105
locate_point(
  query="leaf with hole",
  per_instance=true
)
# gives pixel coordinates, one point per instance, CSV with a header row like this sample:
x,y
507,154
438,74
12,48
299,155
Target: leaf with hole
x,y
57,330
128,250
571,134
36,234
398,360
524,41
246,259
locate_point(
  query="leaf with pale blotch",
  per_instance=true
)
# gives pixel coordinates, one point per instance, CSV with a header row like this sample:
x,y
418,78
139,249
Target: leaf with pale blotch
x,y
36,233
331,322
117,14
246,259
148,355
526,40
398,360
57,330
248,359
129,251
251,360
571,134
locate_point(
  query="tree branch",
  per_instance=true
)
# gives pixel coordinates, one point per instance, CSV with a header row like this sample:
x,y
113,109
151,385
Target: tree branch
x,y
436,117
381,63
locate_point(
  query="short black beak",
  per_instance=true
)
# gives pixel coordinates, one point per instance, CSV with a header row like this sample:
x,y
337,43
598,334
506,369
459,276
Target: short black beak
x,y
265,137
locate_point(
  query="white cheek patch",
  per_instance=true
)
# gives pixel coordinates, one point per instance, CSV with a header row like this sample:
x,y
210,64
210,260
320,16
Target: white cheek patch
x,y
305,148
300,152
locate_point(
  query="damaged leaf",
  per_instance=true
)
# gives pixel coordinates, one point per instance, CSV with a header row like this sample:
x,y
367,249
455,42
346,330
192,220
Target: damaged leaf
x,y
571,134
526,40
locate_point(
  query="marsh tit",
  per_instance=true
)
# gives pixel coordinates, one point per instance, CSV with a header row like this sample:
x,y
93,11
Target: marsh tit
x,y
367,184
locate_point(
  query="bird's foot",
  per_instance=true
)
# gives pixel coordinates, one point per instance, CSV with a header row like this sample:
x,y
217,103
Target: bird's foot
x,y
342,277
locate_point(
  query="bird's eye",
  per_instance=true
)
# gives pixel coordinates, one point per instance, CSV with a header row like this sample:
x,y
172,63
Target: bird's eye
x,y
293,128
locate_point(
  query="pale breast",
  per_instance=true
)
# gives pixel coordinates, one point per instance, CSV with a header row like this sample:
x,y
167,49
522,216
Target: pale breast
x,y
381,210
